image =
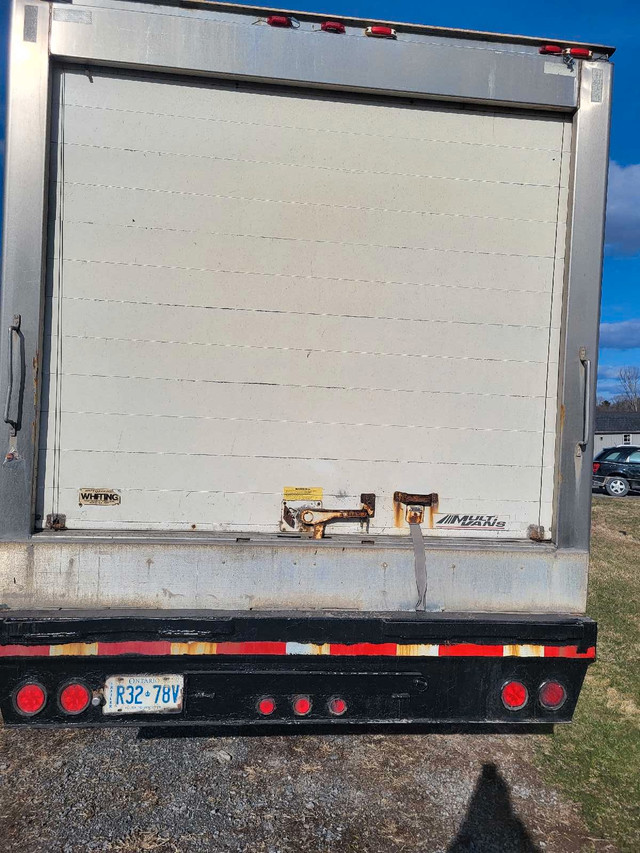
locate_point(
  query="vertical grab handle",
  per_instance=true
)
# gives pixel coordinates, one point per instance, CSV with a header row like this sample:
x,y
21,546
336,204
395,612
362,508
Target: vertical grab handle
x,y
14,329
586,419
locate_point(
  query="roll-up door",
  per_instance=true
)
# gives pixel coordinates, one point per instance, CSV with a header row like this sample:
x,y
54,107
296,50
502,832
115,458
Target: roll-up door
x,y
254,291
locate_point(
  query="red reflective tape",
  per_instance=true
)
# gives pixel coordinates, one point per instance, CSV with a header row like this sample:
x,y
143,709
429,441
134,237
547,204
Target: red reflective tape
x,y
263,648
162,647
568,652
135,647
387,649
471,650
24,651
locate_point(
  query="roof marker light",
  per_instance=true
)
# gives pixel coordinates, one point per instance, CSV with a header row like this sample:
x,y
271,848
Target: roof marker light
x,y
279,21
332,27
554,49
579,52
380,32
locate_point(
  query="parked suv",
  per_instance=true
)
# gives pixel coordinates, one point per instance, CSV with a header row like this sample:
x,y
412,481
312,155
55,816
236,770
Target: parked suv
x,y
617,470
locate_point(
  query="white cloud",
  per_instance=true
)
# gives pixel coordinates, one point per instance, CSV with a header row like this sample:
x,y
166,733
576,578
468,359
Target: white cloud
x,y
623,210
623,335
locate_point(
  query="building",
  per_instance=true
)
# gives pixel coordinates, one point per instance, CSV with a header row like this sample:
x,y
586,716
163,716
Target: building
x,y
614,428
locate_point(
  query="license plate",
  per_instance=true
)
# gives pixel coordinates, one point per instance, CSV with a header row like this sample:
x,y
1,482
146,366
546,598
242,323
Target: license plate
x,y
143,694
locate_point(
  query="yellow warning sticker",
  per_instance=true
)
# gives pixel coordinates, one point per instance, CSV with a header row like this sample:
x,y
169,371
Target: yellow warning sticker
x,y
300,493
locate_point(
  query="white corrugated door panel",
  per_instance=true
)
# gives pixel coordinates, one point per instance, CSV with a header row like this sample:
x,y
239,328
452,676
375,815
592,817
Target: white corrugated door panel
x,y
255,289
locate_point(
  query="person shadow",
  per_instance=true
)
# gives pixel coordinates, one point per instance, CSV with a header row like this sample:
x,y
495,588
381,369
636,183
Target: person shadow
x,y
491,826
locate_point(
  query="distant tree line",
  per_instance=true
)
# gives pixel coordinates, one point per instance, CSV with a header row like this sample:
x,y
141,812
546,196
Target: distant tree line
x,y
628,397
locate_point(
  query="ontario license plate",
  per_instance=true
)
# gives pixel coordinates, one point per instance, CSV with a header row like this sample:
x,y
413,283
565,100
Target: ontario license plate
x,y
143,694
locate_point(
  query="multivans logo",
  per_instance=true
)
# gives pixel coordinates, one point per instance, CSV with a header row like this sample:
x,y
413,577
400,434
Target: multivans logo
x,y
464,522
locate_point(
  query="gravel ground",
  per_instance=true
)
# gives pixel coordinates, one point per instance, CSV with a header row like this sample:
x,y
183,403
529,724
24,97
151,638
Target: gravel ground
x,y
106,790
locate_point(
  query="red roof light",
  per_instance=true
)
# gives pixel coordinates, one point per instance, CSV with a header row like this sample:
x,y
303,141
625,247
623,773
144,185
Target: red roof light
x,y
381,32
279,21
332,27
554,49
580,52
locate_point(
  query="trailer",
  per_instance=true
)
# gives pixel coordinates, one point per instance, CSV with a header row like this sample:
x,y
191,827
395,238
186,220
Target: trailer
x,y
299,333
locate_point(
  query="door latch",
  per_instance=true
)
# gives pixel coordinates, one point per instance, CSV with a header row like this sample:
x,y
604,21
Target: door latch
x,y
313,520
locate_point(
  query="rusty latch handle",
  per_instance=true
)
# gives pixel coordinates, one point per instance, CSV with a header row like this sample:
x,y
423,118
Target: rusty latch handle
x,y
14,328
315,520
416,500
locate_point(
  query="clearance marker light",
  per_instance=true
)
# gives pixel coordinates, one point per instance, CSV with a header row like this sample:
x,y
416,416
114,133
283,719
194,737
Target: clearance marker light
x,y
552,695
380,32
74,698
553,49
279,21
579,52
514,695
301,706
30,699
332,27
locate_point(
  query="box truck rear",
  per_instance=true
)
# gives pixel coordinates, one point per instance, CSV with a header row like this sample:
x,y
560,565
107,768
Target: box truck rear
x,y
299,327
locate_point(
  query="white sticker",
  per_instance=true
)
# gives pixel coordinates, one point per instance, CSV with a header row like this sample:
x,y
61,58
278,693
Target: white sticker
x,y
98,497
559,68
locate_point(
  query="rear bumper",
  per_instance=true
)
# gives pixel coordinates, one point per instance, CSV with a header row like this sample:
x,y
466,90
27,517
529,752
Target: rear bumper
x,y
399,668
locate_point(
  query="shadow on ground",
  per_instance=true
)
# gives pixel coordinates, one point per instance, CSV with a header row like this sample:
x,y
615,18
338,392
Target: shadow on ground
x,y
490,822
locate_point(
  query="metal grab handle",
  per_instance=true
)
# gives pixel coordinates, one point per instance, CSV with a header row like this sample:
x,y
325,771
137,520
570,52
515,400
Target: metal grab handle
x,y
586,419
13,329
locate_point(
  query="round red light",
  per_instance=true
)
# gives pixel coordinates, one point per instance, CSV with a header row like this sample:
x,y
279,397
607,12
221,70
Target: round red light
x,y
30,698
552,695
337,706
74,698
514,695
266,706
301,706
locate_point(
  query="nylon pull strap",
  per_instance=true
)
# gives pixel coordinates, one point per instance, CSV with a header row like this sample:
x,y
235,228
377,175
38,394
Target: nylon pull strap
x,y
420,558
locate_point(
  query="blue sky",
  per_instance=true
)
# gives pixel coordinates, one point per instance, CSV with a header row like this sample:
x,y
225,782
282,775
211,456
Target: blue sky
x,y
616,22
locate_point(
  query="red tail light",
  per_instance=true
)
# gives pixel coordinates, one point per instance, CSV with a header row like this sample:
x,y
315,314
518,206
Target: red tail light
x,y
596,467
514,695
381,32
74,698
551,48
266,706
337,706
279,21
301,706
30,699
332,27
552,695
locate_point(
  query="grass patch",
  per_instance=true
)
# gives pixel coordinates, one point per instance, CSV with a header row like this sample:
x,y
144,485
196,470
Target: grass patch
x,y
596,760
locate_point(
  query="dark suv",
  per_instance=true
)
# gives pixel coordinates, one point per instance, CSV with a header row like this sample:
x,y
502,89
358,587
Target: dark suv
x,y
617,470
